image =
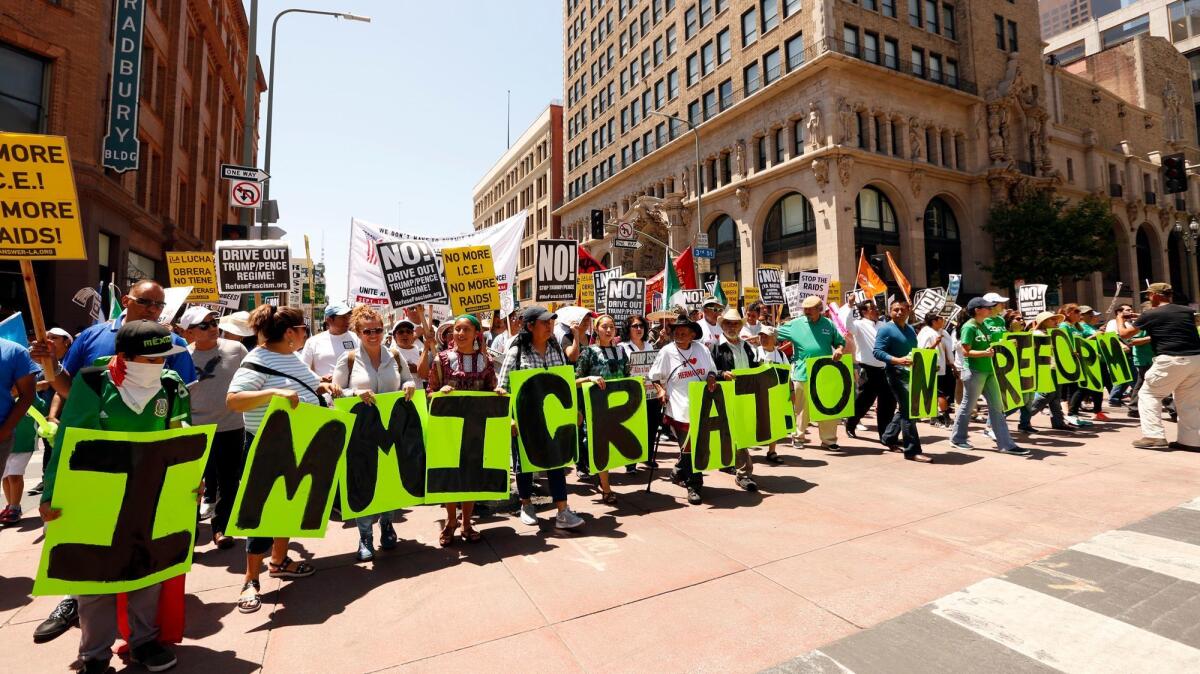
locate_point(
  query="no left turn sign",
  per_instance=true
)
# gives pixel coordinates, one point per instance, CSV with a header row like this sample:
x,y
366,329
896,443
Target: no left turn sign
x,y
245,194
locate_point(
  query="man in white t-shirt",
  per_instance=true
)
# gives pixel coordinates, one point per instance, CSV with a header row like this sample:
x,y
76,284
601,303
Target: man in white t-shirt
x,y
711,324
322,351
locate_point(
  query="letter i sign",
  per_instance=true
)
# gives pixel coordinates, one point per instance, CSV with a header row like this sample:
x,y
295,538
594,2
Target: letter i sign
x,y
245,194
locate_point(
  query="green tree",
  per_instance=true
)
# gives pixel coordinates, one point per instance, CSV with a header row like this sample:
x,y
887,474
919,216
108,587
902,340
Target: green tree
x,y
1044,239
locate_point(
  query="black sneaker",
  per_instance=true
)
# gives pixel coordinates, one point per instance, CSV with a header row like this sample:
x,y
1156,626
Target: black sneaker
x,y
153,656
1016,451
41,486
631,468
585,477
693,495
95,667
60,620
729,470
747,483
773,457
677,476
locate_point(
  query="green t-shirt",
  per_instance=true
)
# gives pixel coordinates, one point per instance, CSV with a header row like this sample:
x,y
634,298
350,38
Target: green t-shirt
x,y
1143,354
809,340
976,337
107,412
995,328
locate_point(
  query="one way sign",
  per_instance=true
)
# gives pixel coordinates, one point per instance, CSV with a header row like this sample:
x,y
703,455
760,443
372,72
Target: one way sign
x,y
235,172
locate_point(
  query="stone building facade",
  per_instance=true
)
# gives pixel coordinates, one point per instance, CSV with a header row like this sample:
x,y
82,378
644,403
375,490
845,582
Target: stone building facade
x,y
528,176
884,126
55,63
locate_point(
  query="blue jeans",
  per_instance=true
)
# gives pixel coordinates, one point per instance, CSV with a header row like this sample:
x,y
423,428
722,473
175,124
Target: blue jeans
x,y
556,477
974,384
364,523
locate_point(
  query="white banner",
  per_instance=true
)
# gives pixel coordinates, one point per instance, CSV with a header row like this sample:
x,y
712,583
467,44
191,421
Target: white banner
x,y
364,279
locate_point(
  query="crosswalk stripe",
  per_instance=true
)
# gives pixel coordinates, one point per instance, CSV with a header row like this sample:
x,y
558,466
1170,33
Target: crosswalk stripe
x,y
1059,634
1154,553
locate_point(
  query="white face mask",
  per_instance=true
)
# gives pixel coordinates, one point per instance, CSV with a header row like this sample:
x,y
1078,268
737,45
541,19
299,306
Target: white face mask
x,y
141,384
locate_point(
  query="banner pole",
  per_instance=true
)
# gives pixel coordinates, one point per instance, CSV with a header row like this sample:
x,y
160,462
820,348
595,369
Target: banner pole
x,y
35,312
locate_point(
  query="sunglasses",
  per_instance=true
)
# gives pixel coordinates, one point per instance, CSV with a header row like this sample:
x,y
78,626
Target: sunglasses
x,y
638,326
404,331
149,303
205,325
373,331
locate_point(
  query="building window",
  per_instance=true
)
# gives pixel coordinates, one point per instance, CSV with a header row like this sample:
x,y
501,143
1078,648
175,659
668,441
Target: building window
x,y
940,222
1117,34
877,127
873,211
798,138
749,27
935,67
861,118
1012,36
931,16
999,31
673,85
772,67
671,39
948,22
914,13
795,48
770,14
895,133
724,48
760,160
791,216
693,69
751,80
951,72
870,47
918,62
850,39
722,235
710,104
1070,171
725,90
708,53
689,23
779,146
889,8
891,50
931,154
22,91
660,93
790,7
694,113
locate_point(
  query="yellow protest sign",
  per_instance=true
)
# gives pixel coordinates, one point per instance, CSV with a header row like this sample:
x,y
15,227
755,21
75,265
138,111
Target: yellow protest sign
x,y
195,269
732,290
750,295
835,291
39,210
471,279
586,291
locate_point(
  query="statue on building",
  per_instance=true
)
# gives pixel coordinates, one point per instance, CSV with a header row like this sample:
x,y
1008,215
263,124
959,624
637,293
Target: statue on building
x,y
739,159
687,179
995,141
743,197
815,136
820,167
1172,121
846,122
845,166
914,138
915,179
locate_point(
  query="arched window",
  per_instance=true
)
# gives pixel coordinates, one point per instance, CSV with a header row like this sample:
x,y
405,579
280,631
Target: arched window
x,y
1145,256
790,223
940,222
722,236
943,252
874,220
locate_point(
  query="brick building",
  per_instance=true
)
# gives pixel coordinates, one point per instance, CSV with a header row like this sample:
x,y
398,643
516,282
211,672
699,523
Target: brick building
x,y
527,176
833,126
55,69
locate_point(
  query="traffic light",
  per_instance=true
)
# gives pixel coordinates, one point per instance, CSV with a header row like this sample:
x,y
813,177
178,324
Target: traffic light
x,y
597,223
234,232
1174,173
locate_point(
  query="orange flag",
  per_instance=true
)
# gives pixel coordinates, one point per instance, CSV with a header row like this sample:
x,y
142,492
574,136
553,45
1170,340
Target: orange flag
x,y
868,280
899,276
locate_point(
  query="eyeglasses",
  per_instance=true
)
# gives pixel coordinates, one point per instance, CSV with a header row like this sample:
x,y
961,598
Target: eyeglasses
x,y
372,331
149,303
205,325
637,326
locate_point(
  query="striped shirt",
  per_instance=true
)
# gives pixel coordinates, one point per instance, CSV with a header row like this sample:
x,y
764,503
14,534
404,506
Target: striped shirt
x,y
288,363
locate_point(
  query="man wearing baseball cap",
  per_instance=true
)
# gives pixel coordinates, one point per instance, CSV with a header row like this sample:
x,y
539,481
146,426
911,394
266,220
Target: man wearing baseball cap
x,y
1175,369
321,352
811,335
711,325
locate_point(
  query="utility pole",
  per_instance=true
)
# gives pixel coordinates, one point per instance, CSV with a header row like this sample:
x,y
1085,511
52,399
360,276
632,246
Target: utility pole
x,y
508,121
250,93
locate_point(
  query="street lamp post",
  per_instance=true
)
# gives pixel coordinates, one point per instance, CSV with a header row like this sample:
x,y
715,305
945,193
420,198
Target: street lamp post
x,y
1189,237
265,210
695,129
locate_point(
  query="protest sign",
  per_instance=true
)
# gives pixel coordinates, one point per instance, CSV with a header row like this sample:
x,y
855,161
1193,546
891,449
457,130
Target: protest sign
x,y
1043,363
1066,361
710,430
952,286
600,282
770,284
296,295
640,363
556,264
951,312
543,405
761,409
616,423
468,452
1023,349
1089,359
692,299
625,298
1119,366
471,280
254,266
928,301
1031,300
39,210
922,384
128,503
733,292
411,273
812,283
750,295
794,295
1008,377
383,467
830,387
195,269
586,292
174,298
287,484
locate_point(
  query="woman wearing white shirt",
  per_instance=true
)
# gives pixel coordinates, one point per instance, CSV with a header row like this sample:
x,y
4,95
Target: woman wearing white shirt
x,y
768,354
637,338
934,336
366,371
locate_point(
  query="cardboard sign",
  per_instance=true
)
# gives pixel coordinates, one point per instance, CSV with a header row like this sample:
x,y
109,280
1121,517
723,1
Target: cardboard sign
x,y
39,210
1008,376
543,405
600,283
1067,366
616,423
770,284
586,292
922,384
830,387
174,298
195,269
812,283
794,295
692,299
557,263
640,363
254,267
750,295
732,292
471,280
1113,354
468,453
1043,364
1031,300
411,273
383,468
625,298
761,410
287,484
835,291
953,284
1023,349
1089,359
928,301
710,432
128,506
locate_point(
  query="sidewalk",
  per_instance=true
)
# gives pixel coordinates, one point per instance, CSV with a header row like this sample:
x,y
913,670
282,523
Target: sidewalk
x,y
835,542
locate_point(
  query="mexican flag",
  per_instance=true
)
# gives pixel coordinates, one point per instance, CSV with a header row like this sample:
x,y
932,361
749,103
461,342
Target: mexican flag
x,y
672,291
719,293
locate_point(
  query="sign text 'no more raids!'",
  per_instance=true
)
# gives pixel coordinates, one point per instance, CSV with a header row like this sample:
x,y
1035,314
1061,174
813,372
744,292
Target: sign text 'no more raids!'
x,y
39,210
411,273
128,503
557,262
625,298
471,279
254,267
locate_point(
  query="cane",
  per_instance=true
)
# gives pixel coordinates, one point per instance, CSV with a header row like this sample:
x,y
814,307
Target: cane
x,y
653,457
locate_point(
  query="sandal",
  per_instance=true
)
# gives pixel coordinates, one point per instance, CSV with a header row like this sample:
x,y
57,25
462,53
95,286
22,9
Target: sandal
x,y
470,535
447,535
249,601
290,568
609,497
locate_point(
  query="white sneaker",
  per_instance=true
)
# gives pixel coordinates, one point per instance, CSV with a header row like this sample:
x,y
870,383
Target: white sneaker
x,y
567,519
987,433
529,514
207,510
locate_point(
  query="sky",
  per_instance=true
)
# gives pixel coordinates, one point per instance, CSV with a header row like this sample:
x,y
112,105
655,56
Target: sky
x,y
394,121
